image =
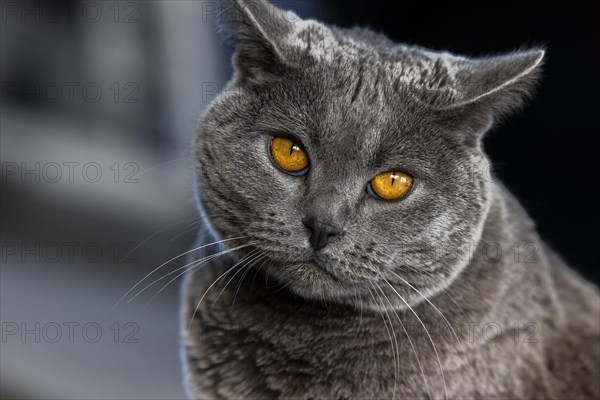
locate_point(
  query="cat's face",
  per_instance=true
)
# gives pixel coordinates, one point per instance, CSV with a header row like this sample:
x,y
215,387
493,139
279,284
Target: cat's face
x,y
359,110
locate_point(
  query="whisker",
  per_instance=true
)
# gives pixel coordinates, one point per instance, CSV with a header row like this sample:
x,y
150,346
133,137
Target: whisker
x,y
206,292
154,234
432,305
396,351
257,271
388,332
409,341
187,267
161,164
426,331
443,290
358,303
186,230
140,245
428,273
167,262
239,285
283,286
248,258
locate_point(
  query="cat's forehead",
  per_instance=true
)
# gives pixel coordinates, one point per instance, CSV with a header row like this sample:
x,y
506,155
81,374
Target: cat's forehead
x,y
353,50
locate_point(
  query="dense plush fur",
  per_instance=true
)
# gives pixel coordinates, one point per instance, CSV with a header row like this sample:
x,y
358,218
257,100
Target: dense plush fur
x,y
446,293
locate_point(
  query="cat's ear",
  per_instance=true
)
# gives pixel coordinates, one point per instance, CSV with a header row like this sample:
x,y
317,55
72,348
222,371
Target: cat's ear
x,y
483,90
256,29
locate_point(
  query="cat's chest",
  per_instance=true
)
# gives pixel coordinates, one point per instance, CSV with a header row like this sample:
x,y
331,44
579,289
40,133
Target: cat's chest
x,y
261,348
297,360
245,343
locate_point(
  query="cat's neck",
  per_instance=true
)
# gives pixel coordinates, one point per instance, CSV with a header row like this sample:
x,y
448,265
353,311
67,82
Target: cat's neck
x,y
508,266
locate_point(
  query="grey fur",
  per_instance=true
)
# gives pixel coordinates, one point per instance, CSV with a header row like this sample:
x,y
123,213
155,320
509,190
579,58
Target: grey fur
x,y
289,323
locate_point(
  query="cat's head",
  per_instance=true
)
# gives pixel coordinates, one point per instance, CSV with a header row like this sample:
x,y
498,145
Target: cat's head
x,y
350,162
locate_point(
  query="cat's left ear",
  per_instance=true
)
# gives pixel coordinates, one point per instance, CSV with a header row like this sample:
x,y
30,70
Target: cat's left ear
x,y
257,29
483,90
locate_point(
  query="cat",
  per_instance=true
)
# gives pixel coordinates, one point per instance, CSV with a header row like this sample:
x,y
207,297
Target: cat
x,y
356,245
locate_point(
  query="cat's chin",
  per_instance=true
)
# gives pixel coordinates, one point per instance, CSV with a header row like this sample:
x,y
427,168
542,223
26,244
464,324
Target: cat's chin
x,y
310,280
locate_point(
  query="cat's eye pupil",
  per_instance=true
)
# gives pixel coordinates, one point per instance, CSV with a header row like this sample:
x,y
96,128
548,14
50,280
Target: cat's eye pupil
x,y
390,186
289,156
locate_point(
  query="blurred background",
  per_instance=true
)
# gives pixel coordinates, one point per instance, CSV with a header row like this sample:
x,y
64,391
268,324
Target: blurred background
x,y
99,104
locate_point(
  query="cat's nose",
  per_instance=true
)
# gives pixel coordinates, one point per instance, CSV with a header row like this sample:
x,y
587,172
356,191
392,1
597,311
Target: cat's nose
x,y
320,233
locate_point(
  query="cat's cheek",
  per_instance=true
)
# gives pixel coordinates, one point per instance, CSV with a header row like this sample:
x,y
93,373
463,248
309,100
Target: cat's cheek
x,y
273,193
276,183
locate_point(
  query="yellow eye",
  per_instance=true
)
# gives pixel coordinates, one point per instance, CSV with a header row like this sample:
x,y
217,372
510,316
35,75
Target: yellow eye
x,y
391,185
289,156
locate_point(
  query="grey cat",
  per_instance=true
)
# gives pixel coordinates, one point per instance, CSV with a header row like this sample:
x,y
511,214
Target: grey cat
x,y
365,252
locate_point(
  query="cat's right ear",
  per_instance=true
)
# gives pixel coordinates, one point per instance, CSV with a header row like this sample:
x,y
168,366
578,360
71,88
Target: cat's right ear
x,y
483,90
256,28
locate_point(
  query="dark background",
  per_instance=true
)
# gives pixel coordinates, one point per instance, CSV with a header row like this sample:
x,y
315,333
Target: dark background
x,y
174,63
